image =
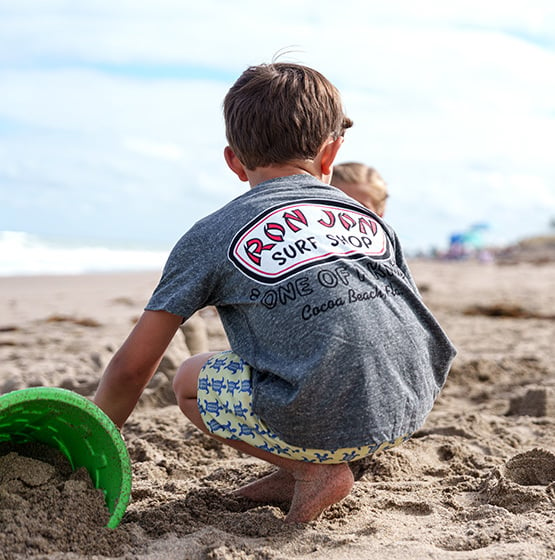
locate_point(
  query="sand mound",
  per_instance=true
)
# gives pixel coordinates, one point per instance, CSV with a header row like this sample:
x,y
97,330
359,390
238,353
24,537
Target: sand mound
x,y
526,482
42,502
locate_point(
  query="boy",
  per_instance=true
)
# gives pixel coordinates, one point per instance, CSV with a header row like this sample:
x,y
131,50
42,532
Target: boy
x,y
334,355
362,183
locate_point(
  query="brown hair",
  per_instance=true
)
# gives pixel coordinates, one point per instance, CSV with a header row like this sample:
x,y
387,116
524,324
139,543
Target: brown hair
x,y
279,112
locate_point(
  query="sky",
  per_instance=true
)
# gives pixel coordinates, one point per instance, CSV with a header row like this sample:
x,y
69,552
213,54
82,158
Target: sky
x,y
111,122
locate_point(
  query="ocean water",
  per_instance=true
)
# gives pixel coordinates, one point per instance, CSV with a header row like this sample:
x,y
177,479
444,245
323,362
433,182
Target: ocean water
x,y
22,253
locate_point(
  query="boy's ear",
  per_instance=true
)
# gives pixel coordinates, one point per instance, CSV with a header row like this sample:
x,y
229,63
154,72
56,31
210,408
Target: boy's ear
x,y
234,164
329,153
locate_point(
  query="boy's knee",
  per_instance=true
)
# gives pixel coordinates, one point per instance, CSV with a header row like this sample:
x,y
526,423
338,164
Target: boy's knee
x,y
186,379
185,382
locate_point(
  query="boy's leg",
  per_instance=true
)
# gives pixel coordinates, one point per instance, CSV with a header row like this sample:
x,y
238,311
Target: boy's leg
x,y
311,487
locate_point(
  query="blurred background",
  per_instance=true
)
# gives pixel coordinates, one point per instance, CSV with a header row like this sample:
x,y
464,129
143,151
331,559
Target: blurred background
x,y
111,128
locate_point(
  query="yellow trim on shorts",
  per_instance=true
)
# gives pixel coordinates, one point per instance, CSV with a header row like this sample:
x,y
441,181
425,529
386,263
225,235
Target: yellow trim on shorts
x,y
225,404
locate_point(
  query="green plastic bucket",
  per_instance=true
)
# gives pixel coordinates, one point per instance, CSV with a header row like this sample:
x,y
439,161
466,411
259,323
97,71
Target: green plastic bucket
x,y
80,430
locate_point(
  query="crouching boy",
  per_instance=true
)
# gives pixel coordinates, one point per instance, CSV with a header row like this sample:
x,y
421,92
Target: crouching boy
x,y
333,353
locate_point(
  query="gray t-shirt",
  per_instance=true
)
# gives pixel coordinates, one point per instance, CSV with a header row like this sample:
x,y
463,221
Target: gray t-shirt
x,y
314,293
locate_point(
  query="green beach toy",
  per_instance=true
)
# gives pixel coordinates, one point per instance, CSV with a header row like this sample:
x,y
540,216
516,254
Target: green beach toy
x,y
80,430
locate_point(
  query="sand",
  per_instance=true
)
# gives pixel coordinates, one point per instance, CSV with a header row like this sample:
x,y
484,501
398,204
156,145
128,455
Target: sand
x,y
476,482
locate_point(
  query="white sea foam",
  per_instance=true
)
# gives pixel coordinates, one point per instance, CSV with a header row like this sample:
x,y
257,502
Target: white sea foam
x,y
25,254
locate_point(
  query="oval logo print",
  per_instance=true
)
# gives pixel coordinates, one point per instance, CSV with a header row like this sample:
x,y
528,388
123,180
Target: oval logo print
x,y
293,237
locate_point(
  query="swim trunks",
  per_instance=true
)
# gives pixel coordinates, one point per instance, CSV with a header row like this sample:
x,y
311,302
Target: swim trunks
x,y
225,402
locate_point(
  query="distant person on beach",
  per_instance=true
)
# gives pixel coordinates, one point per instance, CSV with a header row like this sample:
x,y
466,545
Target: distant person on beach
x,y
363,183
334,356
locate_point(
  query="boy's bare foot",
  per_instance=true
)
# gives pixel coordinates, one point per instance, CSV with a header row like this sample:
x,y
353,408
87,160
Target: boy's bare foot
x,y
317,488
311,487
278,486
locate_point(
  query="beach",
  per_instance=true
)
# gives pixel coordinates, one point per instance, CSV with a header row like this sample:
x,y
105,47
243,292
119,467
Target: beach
x,y
477,481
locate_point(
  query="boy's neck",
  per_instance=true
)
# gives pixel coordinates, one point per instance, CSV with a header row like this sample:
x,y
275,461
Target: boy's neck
x,y
261,174
321,167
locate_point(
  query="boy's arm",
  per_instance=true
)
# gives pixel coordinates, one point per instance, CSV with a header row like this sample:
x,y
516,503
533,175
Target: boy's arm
x,y
132,366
